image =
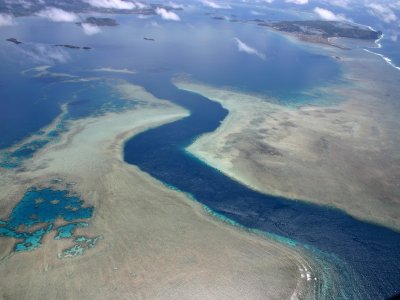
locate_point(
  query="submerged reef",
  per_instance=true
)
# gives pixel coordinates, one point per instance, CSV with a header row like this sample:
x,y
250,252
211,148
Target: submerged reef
x,y
36,213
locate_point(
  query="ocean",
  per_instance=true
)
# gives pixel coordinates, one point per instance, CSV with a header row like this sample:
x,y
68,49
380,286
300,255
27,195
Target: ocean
x,y
38,78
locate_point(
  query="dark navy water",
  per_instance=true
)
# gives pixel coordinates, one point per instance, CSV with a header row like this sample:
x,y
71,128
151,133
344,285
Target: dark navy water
x,y
371,251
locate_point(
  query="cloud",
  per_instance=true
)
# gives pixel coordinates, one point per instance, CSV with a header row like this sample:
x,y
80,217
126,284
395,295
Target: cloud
x,y
300,2
382,12
212,4
112,70
167,15
42,53
6,20
329,15
154,24
256,13
57,15
242,47
140,5
175,5
90,29
116,4
339,3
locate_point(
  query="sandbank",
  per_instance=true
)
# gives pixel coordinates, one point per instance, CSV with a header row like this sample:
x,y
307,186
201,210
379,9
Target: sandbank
x,y
344,155
155,242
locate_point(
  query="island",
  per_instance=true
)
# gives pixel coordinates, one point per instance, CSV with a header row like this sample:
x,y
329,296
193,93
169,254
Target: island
x,y
73,47
318,31
99,21
17,42
14,40
149,39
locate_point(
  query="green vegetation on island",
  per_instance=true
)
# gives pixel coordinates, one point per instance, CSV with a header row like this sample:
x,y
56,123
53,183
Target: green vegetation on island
x,y
324,29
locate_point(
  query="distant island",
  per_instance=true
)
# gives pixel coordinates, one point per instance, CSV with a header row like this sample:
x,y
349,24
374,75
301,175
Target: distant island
x,y
78,6
318,31
74,47
149,39
100,21
14,40
17,42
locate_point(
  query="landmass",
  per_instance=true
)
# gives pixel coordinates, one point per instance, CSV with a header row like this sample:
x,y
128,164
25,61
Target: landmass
x,y
315,31
18,9
325,29
155,242
14,40
100,21
343,155
149,39
17,42
318,31
73,47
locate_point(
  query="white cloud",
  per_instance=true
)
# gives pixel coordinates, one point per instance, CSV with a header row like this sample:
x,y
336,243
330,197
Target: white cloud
x,y
242,47
212,4
116,4
154,24
41,53
339,3
144,17
167,15
300,2
256,13
6,20
382,12
58,15
90,29
329,15
112,70
175,5
140,5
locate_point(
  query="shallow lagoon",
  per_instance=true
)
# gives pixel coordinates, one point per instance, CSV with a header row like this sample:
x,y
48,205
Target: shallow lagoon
x,y
43,207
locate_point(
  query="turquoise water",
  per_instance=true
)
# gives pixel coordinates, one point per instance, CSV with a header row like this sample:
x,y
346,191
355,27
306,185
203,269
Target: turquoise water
x,y
67,231
42,207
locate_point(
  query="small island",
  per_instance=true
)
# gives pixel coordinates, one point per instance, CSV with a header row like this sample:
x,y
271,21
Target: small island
x,y
149,39
17,42
100,21
73,47
14,40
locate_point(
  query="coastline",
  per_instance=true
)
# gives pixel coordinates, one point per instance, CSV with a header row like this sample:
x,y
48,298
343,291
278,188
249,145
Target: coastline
x,y
331,155
154,242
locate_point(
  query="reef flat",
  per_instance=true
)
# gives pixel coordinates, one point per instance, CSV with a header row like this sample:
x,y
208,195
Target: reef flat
x,y
153,241
342,155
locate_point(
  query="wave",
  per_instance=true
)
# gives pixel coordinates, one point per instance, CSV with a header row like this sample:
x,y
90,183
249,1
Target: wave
x,y
386,59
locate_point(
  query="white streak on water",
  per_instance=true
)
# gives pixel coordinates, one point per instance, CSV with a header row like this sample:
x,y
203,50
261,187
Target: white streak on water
x,y
377,42
386,59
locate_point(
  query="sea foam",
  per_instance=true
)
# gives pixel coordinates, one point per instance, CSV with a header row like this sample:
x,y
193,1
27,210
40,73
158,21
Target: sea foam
x,y
386,59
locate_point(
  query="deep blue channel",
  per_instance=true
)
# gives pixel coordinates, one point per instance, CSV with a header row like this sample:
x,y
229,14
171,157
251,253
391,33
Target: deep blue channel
x,y
370,251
